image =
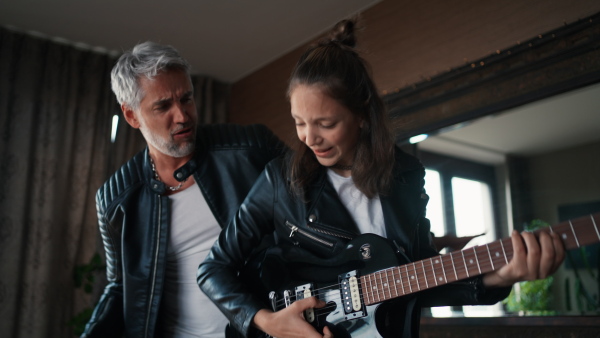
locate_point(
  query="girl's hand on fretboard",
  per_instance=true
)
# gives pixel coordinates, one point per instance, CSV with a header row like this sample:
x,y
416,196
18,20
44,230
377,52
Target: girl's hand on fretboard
x,y
536,256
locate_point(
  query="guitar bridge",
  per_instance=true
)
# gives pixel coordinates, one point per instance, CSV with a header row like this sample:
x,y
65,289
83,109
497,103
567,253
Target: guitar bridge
x,y
351,296
305,291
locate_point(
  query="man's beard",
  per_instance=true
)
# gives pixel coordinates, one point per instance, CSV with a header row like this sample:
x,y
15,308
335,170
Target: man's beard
x,y
168,146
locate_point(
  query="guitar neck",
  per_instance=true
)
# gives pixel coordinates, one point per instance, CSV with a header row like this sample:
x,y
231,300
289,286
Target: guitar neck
x,y
458,265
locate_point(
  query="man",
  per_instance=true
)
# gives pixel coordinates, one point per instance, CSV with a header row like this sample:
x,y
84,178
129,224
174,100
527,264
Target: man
x,y
160,213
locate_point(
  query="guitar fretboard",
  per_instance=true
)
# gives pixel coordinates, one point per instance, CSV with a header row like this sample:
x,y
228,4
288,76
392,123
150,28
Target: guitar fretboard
x,y
439,270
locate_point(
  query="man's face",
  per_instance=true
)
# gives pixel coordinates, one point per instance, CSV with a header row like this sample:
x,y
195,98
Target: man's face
x,y
167,113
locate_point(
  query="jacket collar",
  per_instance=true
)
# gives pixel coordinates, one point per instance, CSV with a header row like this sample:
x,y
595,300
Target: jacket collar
x,y
181,173
321,209
327,211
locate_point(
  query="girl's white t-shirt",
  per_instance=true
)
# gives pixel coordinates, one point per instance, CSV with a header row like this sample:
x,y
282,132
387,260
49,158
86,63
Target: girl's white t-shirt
x,y
367,212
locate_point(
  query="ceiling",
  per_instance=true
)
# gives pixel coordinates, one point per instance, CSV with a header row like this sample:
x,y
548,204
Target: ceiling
x,y
226,40
553,124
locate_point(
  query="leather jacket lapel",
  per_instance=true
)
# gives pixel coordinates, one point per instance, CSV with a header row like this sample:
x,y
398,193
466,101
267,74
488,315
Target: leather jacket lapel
x,y
328,211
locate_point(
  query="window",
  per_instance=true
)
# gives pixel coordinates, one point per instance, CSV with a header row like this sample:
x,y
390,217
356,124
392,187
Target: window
x,y
435,207
114,128
461,203
472,202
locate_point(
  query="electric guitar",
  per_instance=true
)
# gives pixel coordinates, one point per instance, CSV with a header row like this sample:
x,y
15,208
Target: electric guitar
x,y
367,274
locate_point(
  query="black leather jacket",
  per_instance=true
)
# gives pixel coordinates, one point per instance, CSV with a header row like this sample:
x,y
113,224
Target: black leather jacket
x,y
319,229
133,215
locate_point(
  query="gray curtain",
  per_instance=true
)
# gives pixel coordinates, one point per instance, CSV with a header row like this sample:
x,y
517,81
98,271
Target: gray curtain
x,y
55,115
212,99
56,111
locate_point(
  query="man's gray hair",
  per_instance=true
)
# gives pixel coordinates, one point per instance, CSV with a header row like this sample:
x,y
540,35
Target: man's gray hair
x,y
145,59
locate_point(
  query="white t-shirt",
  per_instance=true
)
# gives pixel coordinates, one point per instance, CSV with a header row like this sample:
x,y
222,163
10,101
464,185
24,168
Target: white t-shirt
x,y
186,311
367,213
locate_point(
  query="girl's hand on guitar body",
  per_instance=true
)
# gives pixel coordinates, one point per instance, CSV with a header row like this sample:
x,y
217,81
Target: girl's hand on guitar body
x,y
290,322
534,257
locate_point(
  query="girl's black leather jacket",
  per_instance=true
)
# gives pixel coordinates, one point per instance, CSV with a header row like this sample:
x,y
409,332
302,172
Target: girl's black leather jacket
x,y
133,215
316,230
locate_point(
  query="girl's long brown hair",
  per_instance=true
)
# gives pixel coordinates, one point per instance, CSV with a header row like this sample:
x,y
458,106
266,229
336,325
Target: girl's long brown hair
x,y
334,65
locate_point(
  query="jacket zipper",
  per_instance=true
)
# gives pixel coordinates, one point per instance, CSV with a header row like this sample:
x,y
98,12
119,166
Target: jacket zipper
x,y
334,234
295,229
154,272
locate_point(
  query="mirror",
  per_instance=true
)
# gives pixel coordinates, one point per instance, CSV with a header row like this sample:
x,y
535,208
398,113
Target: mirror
x,y
526,122
553,146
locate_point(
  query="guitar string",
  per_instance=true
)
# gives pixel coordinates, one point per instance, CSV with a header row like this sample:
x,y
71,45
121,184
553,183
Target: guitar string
x,y
280,303
421,278
325,310
364,295
457,268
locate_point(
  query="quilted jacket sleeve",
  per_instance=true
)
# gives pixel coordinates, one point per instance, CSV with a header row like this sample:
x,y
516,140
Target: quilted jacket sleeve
x,y
218,275
107,318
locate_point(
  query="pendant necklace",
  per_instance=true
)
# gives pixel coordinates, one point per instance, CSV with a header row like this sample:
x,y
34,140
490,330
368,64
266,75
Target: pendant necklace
x,y
158,178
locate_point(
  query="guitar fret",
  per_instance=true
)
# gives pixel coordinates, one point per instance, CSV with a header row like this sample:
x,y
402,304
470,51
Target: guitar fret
x,y
377,285
497,254
416,277
401,282
453,267
443,269
465,262
563,235
380,291
408,278
472,268
433,269
504,252
394,281
574,234
595,226
365,288
387,284
490,255
425,275
477,260
371,292
374,288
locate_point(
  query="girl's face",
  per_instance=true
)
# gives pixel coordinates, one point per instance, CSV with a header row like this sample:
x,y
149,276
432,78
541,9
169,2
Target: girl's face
x,y
327,127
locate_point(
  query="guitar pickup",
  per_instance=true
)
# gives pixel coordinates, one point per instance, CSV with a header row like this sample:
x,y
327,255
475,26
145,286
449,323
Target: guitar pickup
x,y
351,296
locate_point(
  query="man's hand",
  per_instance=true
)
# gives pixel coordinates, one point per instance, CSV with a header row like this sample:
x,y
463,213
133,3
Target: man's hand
x,y
533,258
290,322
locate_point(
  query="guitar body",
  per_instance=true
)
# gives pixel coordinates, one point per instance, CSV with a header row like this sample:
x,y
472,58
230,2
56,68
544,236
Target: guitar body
x,y
324,280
